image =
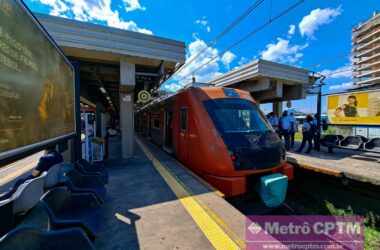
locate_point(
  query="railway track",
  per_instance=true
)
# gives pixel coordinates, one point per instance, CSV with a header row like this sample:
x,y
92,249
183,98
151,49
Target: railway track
x,y
311,193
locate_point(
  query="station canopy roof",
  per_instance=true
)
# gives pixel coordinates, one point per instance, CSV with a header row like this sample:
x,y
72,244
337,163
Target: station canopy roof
x,y
99,50
268,81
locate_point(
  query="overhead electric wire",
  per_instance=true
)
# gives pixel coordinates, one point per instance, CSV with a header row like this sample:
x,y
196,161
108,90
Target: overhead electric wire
x,y
238,20
339,71
281,14
231,26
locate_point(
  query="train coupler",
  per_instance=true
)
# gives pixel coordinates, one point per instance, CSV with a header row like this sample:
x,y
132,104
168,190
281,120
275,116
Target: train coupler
x,y
272,189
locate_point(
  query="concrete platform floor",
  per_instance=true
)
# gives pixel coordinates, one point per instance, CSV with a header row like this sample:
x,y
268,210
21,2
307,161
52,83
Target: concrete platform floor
x,y
155,203
355,165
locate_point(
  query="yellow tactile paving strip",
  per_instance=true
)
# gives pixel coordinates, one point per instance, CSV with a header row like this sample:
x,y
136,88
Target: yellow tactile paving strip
x,y
211,225
318,169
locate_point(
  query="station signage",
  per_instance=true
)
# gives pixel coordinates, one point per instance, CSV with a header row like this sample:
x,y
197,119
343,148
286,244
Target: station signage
x,y
354,108
36,84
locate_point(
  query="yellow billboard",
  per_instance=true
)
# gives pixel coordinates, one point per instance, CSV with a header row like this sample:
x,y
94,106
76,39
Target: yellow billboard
x,y
355,108
36,84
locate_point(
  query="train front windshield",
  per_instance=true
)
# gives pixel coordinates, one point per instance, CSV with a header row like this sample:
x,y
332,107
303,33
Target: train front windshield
x,y
246,133
236,116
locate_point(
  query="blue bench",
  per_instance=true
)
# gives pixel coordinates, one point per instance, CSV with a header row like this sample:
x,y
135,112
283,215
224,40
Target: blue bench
x,y
359,143
6,216
331,141
67,209
30,238
373,145
26,196
26,223
79,183
353,142
65,174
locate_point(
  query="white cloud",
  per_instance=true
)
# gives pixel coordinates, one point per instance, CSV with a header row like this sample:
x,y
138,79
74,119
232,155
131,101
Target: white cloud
x,y
132,5
227,58
341,86
341,72
92,11
292,29
243,60
58,6
203,74
171,87
316,18
282,51
204,23
206,73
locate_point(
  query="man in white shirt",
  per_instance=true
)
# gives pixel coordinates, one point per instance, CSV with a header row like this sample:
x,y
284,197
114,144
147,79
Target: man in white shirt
x,y
273,120
316,132
285,128
293,130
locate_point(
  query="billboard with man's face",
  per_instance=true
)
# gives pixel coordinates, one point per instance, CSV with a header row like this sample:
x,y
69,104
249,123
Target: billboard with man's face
x,y
356,108
36,84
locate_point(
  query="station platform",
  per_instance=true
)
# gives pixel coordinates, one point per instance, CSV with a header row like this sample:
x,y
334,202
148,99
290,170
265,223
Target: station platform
x,y
155,203
358,166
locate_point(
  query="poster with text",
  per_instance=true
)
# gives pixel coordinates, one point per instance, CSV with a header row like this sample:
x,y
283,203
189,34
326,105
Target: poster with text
x,y
356,108
36,83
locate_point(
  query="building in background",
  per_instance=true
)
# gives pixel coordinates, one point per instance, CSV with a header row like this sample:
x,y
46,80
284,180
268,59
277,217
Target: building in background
x,y
366,79
366,52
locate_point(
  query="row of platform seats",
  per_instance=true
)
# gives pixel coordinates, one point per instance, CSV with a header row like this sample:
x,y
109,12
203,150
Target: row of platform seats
x,y
351,142
57,210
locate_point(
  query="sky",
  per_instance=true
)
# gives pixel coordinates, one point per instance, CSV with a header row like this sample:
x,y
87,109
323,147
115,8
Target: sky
x,y
316,35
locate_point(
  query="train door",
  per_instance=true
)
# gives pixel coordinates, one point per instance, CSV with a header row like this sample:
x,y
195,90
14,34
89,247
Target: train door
x,y
168,135
149,125
183,134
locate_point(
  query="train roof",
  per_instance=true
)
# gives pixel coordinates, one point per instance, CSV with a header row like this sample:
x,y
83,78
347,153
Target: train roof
x,y
207,87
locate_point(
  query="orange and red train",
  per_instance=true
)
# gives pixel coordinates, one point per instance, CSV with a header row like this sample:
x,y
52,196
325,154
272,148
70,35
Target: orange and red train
x,y
218,133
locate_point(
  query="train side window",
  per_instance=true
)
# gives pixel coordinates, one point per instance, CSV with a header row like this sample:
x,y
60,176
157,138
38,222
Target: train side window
x,y
183,119
156,123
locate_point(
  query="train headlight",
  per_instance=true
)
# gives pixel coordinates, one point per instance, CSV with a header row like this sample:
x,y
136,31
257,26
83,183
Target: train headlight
x,y
232,155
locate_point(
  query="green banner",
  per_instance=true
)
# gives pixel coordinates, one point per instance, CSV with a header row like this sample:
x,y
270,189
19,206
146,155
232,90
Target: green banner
x,y
36,83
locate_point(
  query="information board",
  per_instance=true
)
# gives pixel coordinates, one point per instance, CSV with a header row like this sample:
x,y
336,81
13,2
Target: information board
x,y
355,108
36,84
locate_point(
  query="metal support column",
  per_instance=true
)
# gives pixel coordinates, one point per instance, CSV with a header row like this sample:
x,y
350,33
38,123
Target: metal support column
x,y
76,149
319,114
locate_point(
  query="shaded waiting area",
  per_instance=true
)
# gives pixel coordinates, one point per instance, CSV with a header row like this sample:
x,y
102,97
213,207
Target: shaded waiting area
x,y
151,202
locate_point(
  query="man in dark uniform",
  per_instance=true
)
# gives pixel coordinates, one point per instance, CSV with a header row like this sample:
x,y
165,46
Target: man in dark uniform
x,y
51,158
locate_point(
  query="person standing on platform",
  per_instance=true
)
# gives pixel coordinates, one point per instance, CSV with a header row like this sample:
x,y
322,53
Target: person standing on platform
x,y
285,128
293,130
307,134
316,133
273,120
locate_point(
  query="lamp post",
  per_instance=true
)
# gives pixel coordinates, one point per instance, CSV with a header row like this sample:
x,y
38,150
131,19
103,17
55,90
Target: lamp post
x,y
321,78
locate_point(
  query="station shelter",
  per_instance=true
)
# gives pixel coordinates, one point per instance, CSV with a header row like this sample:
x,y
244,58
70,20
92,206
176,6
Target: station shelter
x,y
112,66
269,82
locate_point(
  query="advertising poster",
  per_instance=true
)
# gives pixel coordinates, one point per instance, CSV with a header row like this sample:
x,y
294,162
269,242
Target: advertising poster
x,y
36,83
356,108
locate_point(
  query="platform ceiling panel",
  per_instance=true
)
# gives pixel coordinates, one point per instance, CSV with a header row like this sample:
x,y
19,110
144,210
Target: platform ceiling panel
x,y
118,43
